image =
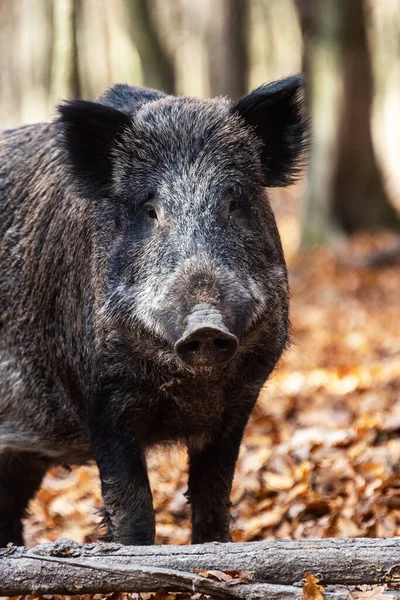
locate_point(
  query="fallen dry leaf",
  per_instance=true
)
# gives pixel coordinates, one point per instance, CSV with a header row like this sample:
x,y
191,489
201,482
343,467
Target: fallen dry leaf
x,y
231,577
218,575
311,589
374,591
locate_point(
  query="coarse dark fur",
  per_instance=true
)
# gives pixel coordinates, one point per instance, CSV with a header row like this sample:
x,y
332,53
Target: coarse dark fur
x,y
119,221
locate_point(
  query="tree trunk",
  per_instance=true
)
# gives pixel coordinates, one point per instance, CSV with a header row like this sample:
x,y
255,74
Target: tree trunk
x,y
228,55
345,190
158,68
277,567
307,13
65,79
359,197
320,26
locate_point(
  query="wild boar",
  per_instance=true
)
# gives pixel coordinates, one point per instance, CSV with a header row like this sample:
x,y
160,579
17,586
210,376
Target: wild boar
x,y
143,293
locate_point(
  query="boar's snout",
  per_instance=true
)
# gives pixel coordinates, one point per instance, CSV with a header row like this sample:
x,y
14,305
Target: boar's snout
x,y
206,342
206,346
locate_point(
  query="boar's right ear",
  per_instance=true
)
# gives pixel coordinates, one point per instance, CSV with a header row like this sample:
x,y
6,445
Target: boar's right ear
x,y
90,131
276,113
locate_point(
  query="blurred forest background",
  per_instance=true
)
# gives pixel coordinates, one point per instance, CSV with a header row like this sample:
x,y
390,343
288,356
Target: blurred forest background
x,y
321,456
350,51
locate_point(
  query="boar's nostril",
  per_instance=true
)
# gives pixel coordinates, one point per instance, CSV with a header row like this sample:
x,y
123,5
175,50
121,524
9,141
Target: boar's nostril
x,y
206,347
223,345
190,347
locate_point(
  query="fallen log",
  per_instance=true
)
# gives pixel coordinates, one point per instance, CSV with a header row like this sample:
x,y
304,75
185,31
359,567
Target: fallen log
x,y
277,567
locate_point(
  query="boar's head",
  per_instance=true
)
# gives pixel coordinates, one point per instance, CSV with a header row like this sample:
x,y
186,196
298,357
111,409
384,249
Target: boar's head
x,y
188,250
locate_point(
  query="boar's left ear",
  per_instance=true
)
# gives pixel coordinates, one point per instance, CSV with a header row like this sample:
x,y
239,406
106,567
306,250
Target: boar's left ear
x,y
89,133
276,112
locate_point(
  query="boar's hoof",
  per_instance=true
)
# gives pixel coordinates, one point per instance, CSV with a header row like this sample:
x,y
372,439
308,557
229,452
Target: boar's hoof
x,y
206,347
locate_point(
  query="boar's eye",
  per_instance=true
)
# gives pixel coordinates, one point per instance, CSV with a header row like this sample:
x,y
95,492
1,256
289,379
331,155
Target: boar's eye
x,y
151,212
149,208
234,206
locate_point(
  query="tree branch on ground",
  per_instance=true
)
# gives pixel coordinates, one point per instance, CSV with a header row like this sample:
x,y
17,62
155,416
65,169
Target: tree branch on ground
x,y
244,570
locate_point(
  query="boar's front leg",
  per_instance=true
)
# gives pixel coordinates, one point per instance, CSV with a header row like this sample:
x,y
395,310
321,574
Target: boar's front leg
x,y
211,471
128,506
20,476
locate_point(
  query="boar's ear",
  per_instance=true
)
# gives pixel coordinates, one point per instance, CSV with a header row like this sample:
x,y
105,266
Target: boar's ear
x,y
276,112
90,131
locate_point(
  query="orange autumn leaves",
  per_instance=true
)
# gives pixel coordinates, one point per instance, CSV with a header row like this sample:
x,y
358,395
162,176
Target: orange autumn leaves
x,y
311,589
321,454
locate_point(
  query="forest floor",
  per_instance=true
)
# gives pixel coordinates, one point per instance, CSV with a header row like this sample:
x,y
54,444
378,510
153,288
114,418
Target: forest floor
x,y
321,455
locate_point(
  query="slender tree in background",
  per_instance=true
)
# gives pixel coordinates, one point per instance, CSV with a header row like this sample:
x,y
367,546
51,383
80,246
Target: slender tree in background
x,y
228,55
345,185
25,33
157,65
307,13
65,79
10,89
320,24
360,200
